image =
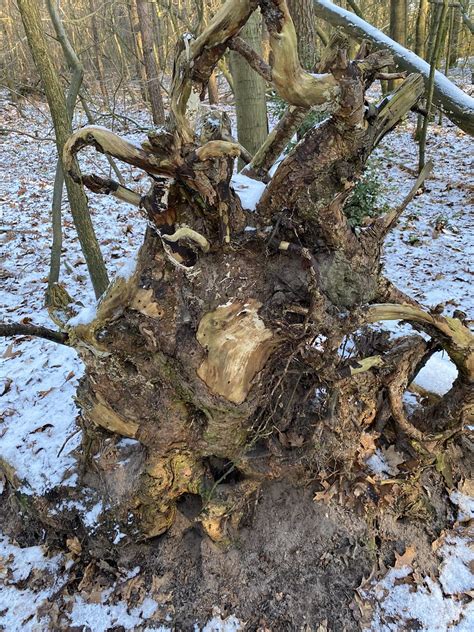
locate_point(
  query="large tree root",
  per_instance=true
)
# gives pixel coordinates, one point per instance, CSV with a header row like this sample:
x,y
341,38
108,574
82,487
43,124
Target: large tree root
x,y
218,359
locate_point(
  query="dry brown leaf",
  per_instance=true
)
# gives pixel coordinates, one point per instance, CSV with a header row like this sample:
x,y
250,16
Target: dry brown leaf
x,y
89,573
43,394
393,458
9,353
6,385
74,545
406,559
328,493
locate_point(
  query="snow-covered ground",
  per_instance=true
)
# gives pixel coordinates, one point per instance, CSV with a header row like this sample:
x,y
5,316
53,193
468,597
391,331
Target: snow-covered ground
x,y
427,256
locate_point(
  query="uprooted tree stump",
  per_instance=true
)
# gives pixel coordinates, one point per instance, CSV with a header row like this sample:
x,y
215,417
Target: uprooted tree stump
x,y
219,353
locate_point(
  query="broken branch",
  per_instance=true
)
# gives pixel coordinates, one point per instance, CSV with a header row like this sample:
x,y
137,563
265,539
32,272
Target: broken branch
x,y
19,329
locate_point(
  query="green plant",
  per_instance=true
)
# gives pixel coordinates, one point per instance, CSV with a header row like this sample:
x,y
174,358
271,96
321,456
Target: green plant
x,y
363,202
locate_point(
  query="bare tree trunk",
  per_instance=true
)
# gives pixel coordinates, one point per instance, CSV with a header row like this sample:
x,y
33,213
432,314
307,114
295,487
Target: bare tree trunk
x,y
220,353
304,18
151,66
421,30
438,33
138,45
97,53
249,89
62,126
206,353
455,36
398,28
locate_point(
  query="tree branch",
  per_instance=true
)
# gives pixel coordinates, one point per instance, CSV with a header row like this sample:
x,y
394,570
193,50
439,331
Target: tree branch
x,y
383,225
454,336
109,143
456,104
18,329
253,59
292,82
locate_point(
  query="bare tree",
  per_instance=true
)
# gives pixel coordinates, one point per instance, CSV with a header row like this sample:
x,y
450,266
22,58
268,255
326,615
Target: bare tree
x,y
62,125
152,70
249,89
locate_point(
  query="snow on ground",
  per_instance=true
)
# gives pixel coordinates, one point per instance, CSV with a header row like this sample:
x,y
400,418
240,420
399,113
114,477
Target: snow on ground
x,y
20,608
38,429
32,609
404,600
427,256
249,191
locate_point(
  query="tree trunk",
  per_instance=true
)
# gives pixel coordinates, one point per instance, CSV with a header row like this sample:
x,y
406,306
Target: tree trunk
x,y
218,354
99,66
304,18
138,46
62,126
421,30
438,34
455,36
152,71
249,90
398,29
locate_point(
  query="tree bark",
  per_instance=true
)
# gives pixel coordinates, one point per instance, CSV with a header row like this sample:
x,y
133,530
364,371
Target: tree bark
x,y
455,37
304,18
249,90
138,46
398,28
99,66
151,66
219,354
421,29
438,34
57,104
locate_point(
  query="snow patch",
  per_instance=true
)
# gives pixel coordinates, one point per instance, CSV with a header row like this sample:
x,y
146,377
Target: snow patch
x,y
249,191
84,317
39,431
438,374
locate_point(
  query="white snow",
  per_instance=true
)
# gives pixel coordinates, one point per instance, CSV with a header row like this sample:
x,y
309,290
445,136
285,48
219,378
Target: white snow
x,y
438,374
249,191
465,505
102,617
39,431
19,607
456,576
378,465
128,267
84,317
433,606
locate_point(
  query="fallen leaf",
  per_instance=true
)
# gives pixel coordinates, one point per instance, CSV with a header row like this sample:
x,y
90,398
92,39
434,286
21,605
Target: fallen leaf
x,y
406,559
5,387
74,545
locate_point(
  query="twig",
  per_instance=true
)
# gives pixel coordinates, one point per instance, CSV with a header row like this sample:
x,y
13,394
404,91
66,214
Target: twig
x,y
7,130
20,329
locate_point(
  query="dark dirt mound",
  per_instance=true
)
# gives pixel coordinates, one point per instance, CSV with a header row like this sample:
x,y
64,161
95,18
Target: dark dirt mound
x,y
296,564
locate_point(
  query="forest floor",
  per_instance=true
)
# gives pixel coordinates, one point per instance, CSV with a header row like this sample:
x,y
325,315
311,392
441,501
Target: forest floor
x,y
299,564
